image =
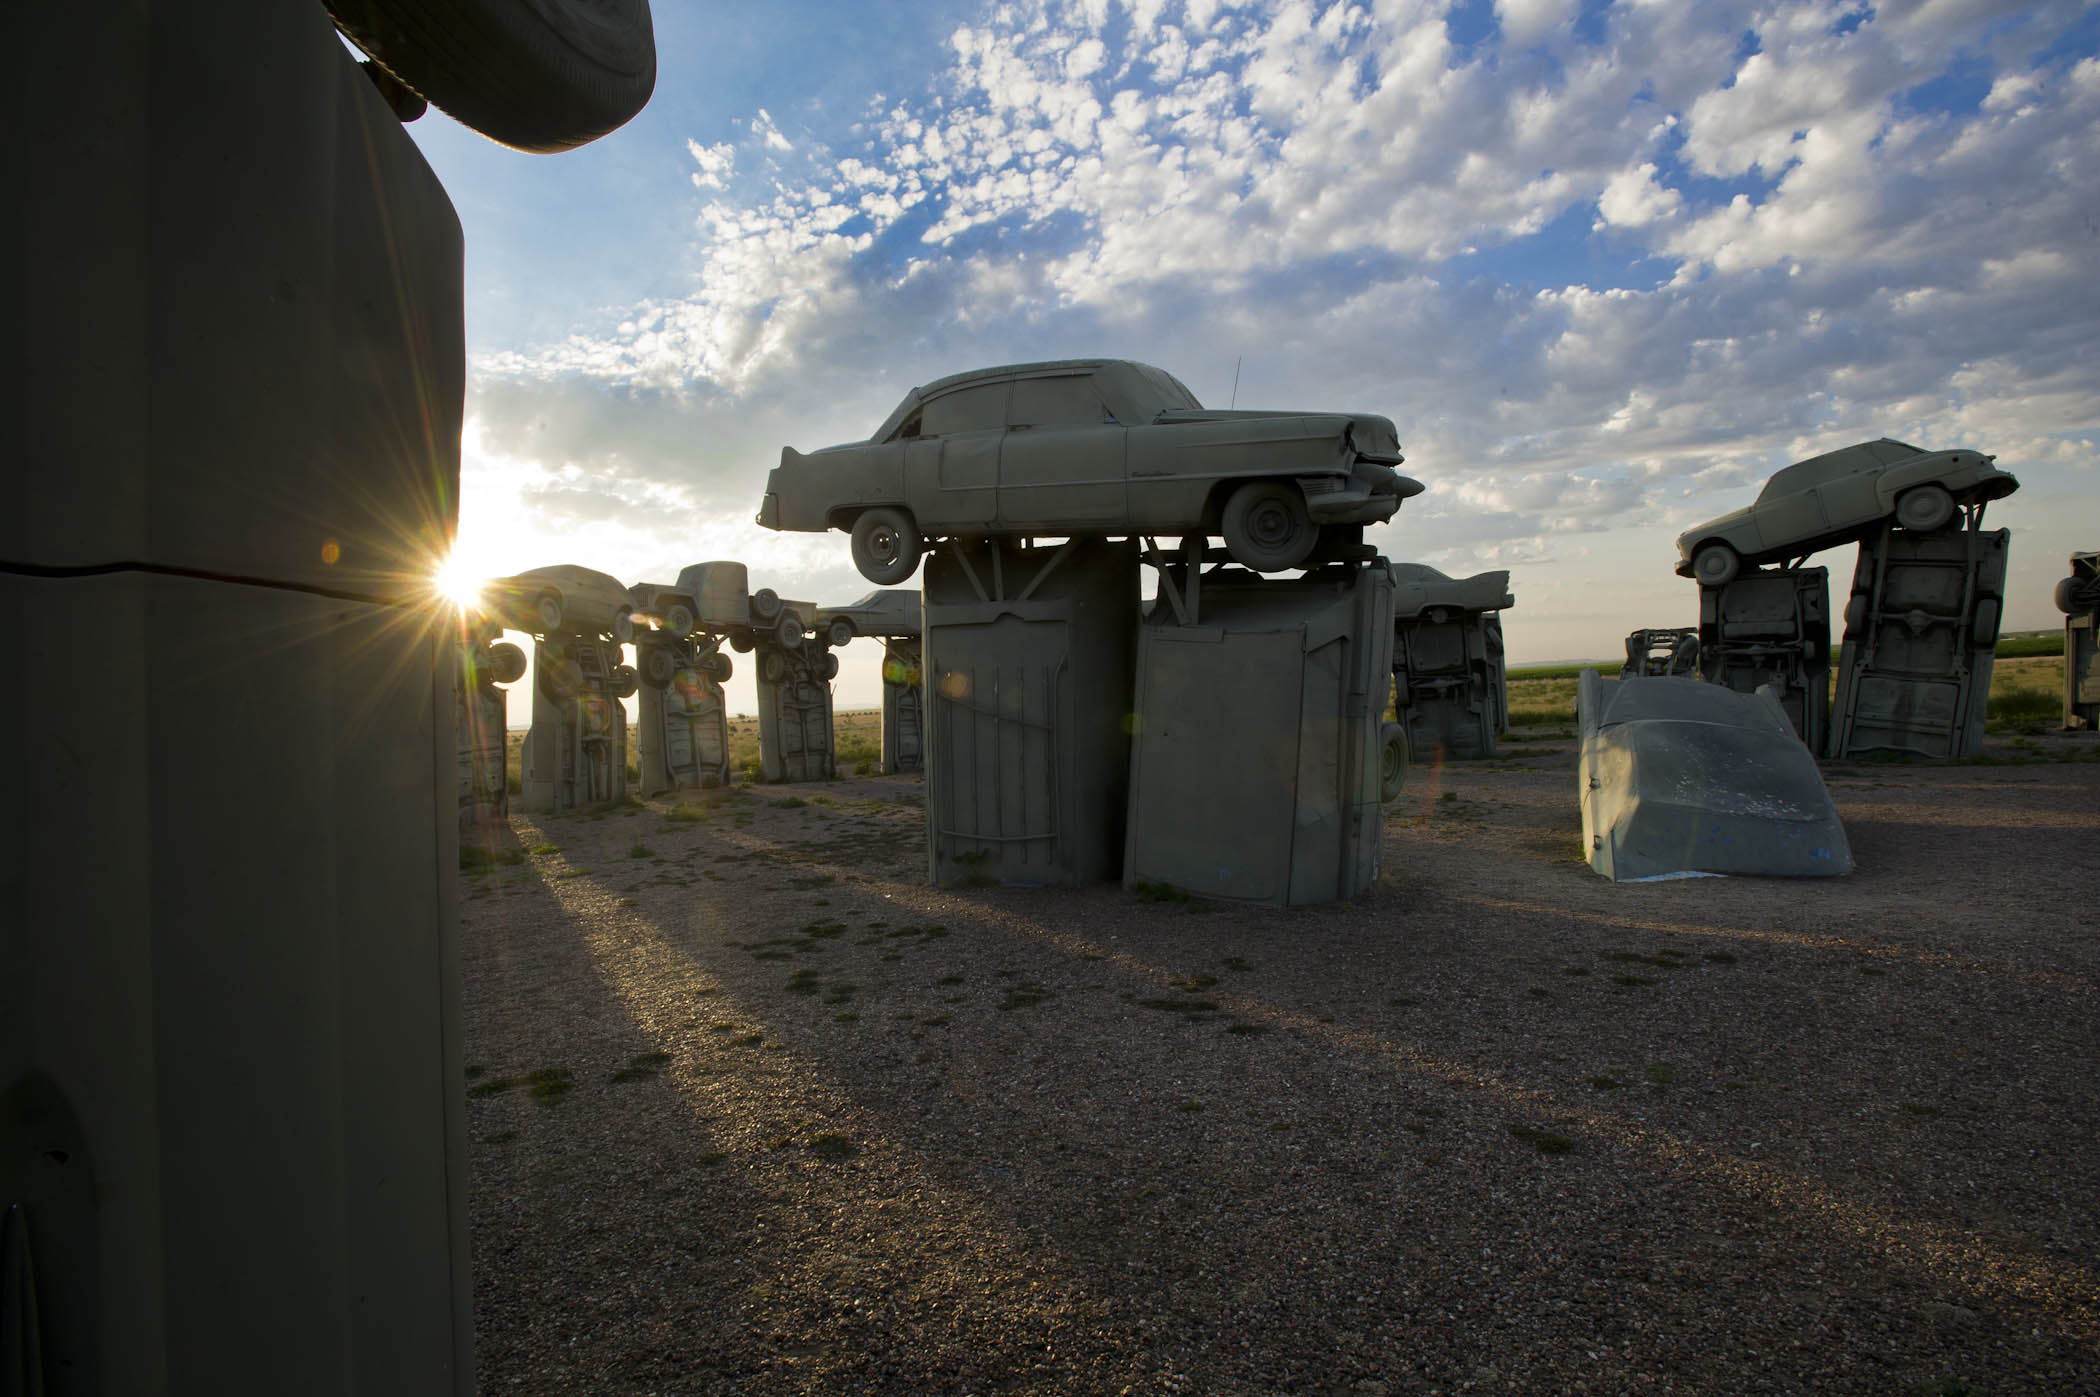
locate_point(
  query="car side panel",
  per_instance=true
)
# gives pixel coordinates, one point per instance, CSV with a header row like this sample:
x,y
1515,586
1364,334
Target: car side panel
x,y
1174,468
1053,478
951,482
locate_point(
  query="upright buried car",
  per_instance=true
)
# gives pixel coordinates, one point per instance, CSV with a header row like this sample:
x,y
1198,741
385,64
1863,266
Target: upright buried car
x,y
1090,446
1836,498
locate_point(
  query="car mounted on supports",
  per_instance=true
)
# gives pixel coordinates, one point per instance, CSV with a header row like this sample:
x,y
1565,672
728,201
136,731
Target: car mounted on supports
x,y
1091,447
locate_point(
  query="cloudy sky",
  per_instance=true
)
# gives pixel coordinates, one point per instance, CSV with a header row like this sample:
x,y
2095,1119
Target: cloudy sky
x,y
1606,265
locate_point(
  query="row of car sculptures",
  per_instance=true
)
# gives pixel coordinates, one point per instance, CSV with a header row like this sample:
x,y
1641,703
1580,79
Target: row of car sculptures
x,y
1239,748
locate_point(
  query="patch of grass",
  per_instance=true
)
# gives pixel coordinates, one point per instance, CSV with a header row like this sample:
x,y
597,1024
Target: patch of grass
x,y
1235,963
1024,995
712,1157
1600,1082
1544,1141
750,1040
494,1086
1192,1009
477,858
824,931
1720,957
1660,1074
1664,959
832,1146
1159,892
548,1085
1188,1106
1574,970
949,980
684,815
1539,992
848,1016
1198,982
1634,981
803,982
641,1067
500,1137
840,994
544,849
641,851
1448,797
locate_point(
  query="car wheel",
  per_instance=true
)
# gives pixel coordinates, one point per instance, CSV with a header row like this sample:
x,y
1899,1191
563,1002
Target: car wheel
x,y
740,641
678,620
772,666
1392,761
765,603
506,663
840,633
625,681
825,666
886,545
658,666
718,668
2067,596
1924,508
542,77
1715,565
623,626
548,612
787,631
1266,527
1983,627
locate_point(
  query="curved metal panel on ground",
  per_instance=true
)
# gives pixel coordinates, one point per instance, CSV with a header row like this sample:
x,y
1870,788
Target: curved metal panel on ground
x,y
1679,776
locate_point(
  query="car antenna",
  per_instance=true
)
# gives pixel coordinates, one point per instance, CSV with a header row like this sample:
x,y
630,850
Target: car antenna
x,y
1235,382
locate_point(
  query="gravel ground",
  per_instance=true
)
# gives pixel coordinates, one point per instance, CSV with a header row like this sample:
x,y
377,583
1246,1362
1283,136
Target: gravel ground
x,y
752,1109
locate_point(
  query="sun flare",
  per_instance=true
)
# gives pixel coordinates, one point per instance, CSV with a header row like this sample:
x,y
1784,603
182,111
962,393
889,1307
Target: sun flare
x,y
460,582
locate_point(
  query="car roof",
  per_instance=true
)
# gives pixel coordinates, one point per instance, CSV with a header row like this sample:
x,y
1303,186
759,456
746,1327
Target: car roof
x,y
1846,460
1042,368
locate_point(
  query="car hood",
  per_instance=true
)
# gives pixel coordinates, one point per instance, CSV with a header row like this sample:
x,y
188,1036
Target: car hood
x,y
1725,524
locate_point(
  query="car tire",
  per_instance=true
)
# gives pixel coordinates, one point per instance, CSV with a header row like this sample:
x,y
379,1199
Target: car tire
x,y
1923,508
886,545
547,611
765,604
678,620
1392,761
622,629
1983,626
825,666
1716,565
658,666
506,664
787,631
740,641
840,632
1266,527
717,667
772,666
548,76
2066,596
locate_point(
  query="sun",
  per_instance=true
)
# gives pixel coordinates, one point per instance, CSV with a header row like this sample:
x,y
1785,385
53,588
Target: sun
x,y
460,582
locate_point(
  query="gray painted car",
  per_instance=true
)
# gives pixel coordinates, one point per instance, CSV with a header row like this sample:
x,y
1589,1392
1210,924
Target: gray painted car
x,y
887,612
563,599
1090,447
1839,497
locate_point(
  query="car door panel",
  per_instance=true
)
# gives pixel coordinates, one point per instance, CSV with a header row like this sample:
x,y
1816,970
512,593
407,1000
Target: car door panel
x,y
1058,478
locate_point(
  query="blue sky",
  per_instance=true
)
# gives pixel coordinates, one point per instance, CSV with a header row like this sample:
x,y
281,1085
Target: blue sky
x,y
1606,265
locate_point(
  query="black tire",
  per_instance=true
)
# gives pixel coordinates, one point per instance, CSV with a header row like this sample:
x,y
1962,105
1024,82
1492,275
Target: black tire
x,y
658,666
548,612
765,604
840,632
740,641
625,681
623,625
505,665
772,666
1392,761
2066,596
540,77
1983,626
1716,565
787,631
1266,527
886,545
678,620
825,666
1923,508
717,667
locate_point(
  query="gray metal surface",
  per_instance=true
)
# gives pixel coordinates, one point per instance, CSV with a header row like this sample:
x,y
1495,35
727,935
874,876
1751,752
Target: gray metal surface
x,y
1921,634
2078,597
1680,776
1655,653
903,707
795,733
1028,663
1090,446
576,749
1772,626
231,1116
681,725
1256,764
1449,690
485,664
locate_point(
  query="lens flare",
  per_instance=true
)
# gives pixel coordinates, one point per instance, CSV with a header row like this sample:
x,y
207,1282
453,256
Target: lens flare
x,y
459,582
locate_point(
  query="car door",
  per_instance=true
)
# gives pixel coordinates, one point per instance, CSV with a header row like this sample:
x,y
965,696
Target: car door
x,y
1062,464
951,474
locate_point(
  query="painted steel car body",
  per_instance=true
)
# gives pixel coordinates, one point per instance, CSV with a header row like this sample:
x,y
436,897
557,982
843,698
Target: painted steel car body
x,y
1839,497
562,600
1083,446
887,611
717,598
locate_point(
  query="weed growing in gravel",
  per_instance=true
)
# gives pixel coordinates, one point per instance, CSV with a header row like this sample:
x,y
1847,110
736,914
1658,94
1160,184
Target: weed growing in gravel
x,y
1574,970
751,1040
1661,1074
641,1067
1634,981
1600,1082
1160,892
832,1146
1192,1010
1235,963
1544,1141
1021,996
840,994
949,980
641,851
1539,992
548,1085
544,849
1665,959
500,1137
1919,1108
846,1017
568,873
1198,982
492,1087
803,982
788,803
1188,1105
824,931
1719,957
